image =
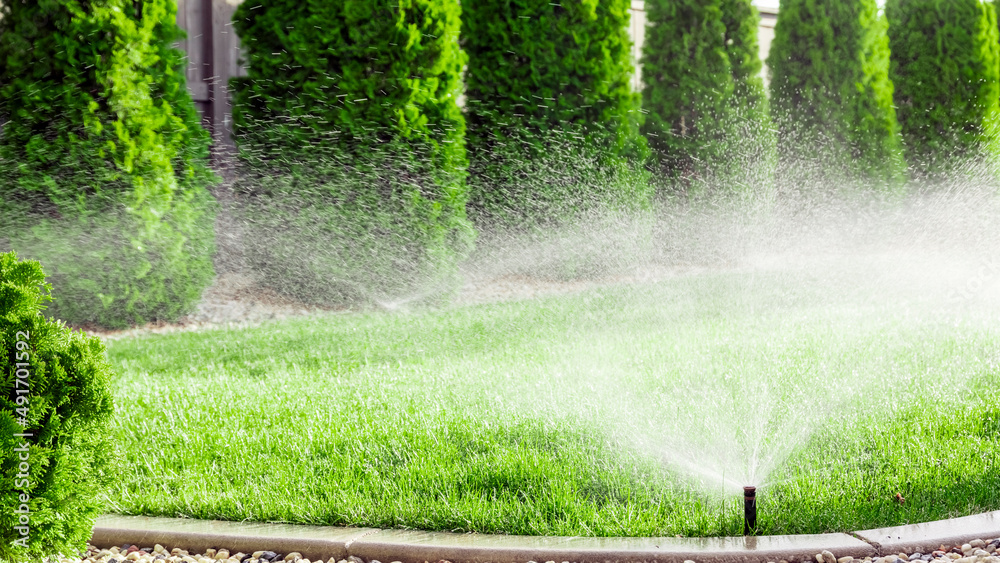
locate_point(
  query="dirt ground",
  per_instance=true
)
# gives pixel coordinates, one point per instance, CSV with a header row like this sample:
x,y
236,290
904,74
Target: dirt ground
x,y
235,300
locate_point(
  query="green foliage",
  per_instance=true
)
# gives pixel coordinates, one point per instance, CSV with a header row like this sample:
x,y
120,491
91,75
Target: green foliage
x,y
707,117
532,182
104,162
352,144
742,24
751,134
945,57
688,85
56,389
546,79
831,97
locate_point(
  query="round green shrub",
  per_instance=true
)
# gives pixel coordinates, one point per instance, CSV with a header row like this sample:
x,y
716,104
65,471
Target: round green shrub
x,y
546,80
831,97
352,146
945,57
103,160
54,413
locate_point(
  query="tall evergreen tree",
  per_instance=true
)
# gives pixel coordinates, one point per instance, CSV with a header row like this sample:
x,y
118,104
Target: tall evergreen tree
x,y
831,97
707,108
549,104
352,145
104,161
945,57
688,86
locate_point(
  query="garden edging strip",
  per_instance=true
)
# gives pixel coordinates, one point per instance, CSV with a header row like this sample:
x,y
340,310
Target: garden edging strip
x,y
931,535
406,546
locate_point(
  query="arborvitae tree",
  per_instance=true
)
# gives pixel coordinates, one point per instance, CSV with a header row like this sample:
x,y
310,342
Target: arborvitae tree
x,y
945,57
553,121
352,144
831,97
103,160
688,86
707,120
751,138
56,456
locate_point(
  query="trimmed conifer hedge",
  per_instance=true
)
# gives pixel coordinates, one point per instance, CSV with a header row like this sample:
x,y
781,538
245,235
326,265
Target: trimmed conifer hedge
x,y
553,121
831,97
103,161
55,408
945,57
351,146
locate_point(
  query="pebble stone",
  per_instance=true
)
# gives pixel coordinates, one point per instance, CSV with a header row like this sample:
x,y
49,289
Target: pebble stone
x,y
976,551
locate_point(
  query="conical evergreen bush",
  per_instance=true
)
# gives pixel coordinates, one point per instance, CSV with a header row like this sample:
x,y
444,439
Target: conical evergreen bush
x,y
831,97
751,140
55,410
352,146
707,116
945,57
103,160
742,23
688,86
553,121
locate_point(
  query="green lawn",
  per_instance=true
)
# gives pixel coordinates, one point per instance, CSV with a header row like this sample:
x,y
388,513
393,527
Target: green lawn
x,y
571,415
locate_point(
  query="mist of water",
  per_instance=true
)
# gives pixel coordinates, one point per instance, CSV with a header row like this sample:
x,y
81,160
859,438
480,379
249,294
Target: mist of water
x,y
731,414
714,400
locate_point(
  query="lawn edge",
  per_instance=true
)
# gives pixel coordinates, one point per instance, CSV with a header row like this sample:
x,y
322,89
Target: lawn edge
x,y
410,546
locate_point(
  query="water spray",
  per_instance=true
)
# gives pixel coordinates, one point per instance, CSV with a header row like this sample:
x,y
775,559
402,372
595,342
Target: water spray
x,y
749,511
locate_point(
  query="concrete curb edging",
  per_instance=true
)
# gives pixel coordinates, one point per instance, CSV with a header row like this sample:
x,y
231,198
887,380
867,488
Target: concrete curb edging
x,y
417,547
930,535
323,542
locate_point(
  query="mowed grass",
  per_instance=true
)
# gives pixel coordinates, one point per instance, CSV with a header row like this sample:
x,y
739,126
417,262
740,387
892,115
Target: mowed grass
x,y
555,415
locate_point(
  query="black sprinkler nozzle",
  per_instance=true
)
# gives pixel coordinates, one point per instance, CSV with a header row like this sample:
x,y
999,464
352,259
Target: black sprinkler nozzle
x,y
749,511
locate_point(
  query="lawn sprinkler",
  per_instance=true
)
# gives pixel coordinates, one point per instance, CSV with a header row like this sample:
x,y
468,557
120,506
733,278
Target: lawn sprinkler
x,y
749,511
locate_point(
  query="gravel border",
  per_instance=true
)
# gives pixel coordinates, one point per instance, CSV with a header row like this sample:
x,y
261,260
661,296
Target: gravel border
x,y
975,551
116,539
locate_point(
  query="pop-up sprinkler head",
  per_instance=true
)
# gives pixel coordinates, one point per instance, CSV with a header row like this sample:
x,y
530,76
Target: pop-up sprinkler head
x,y
749,511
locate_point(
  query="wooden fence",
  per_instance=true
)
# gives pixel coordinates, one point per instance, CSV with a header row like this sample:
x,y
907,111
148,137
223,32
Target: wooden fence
x,y
213,53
